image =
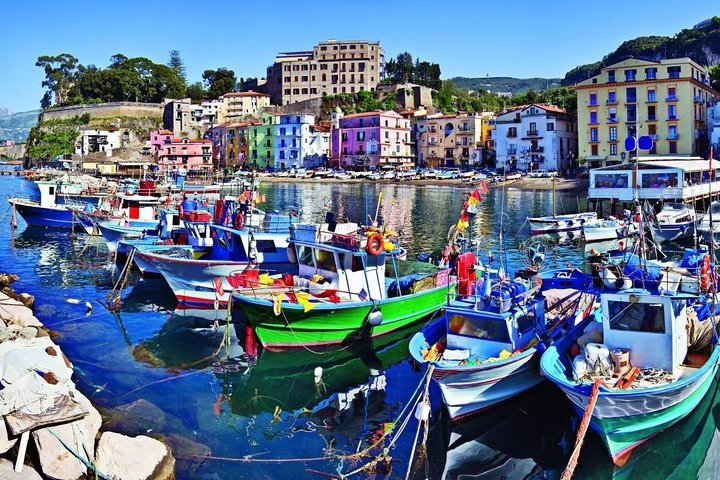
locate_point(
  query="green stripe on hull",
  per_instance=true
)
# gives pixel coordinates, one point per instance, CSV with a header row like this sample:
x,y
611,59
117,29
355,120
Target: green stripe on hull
x,y
328,325
622,434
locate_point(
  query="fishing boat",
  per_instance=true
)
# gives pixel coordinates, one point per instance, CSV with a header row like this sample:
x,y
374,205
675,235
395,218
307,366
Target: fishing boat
x,y
608,229
349,286
260,239
675,221
486,347
653,363
560,223
53,209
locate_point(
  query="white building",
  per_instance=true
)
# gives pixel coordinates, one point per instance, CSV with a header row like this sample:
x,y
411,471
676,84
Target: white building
x,y
92,140
534,137
297,144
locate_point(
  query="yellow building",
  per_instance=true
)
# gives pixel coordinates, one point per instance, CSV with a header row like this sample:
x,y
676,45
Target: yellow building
x,y
462,140
238,105
666,100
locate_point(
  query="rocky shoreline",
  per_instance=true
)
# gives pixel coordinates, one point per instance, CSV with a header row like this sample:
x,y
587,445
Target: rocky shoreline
x,y
39,401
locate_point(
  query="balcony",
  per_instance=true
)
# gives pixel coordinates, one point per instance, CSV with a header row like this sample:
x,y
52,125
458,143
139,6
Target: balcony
x,y
463,129
612,120
611,101
672,118
651,100
698,99
592,103
532,133
673,136
536,149
652,118
671,98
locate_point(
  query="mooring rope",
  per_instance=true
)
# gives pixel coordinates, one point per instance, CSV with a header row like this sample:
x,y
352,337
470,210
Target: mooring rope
x,y
582,430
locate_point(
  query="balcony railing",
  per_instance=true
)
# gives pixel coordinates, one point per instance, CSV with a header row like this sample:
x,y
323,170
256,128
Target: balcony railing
x,y
652,118
612,120
611,101
651,100
536,149
533,133
672,118
463,129
671,98
673,136
699,99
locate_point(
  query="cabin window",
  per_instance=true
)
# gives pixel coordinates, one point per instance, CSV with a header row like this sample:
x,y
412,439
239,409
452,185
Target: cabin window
x,y
637,317
659,180
51,190
325,260
493,330
526,322
266,246
610,180
304,255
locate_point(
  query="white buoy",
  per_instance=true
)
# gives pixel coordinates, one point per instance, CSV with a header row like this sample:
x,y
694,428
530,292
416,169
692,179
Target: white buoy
x,y
422,412
88,308
318,374
375,318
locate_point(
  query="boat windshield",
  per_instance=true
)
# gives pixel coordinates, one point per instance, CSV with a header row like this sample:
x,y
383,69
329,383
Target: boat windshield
x,y
637,317
485,328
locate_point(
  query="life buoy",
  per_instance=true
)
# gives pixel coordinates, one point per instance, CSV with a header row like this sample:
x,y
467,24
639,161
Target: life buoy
x,y
238,221
705,274
181,210
375,244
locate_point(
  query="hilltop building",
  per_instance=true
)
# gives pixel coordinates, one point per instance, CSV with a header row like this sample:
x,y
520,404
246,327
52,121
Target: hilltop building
x,y
536,136
666,100
331,67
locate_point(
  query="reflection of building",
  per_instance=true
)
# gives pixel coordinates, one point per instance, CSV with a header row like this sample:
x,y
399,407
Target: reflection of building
x,y
666,100
533,137
371,139
683,179
332,67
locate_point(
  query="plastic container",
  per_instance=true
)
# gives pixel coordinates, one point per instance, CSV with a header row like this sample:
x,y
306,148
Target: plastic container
x,y
595,352
621,360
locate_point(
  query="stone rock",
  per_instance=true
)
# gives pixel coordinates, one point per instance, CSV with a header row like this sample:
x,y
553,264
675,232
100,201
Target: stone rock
x,y
7,472
141,416
133,458
12,311
6,443
188,453
24,298
55,460
7,278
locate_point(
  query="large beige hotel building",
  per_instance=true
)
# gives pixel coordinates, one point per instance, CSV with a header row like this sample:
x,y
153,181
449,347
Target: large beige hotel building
x,y
666,100
332,67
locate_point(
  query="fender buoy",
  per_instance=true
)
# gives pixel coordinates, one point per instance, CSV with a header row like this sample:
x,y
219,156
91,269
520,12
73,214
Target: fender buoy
x,y
238,221
181,210
375,244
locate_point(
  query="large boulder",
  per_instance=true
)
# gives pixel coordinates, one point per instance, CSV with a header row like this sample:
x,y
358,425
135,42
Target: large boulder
x,y
6,443
13,311
7,472
120,457
55,460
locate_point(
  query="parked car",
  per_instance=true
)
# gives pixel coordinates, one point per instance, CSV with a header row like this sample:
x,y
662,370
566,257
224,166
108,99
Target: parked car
x,y
538,174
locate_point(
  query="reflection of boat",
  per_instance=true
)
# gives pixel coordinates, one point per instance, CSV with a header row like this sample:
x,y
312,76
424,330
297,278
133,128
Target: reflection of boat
x,y
670,379
523,438
287,379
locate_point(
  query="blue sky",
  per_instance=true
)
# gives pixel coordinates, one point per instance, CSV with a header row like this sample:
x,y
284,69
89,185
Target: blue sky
x,y
467,38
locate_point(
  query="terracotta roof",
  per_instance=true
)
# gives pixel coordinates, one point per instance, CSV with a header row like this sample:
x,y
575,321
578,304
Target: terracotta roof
x,y
367,114
164,132
245,94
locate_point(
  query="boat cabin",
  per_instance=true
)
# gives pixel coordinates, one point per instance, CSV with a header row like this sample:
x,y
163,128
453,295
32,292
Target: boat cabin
x,y
651,327
138,207
486,333
335,256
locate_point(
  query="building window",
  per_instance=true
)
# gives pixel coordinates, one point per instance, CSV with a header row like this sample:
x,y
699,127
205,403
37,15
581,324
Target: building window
x,y
672,132
612,115
631,111
613,134
672,147
304,78
651,73
287,79
304,91
673,72
612,98
630,95
594,150
651,96
613,149
593,100
630,75
671,95
296,91
551,127
611,76
672,112
594,134
593,117
360,136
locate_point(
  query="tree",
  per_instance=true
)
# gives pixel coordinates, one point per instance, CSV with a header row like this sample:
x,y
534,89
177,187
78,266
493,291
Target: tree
x,y
196,92
219,82
714,74
177,64
117,60
59,73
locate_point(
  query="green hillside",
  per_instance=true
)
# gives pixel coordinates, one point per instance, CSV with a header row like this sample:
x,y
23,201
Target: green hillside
x,y
506,84
700,43
17,126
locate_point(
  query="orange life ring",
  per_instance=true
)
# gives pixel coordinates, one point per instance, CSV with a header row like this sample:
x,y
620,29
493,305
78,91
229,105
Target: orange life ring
x,y
705,274
375,244
238,221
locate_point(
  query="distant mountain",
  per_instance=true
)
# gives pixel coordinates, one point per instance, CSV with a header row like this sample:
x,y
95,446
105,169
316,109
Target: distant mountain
x,y
506,84
701,43
4,111
17,126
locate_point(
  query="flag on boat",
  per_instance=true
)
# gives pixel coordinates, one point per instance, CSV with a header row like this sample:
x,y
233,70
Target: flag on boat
x,y
483,186
218,286
363,295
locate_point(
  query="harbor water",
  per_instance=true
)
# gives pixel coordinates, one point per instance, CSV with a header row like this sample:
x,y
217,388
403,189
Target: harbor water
x,y
150,368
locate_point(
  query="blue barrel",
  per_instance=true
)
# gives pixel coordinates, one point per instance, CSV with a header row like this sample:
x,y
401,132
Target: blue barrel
x,y
189,205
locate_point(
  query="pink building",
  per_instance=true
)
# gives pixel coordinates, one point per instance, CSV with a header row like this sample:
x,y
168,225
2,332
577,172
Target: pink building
x,y
172,153
371,139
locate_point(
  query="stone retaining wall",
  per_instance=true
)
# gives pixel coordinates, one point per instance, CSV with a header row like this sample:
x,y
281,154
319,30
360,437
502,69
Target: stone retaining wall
x,y
112,109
